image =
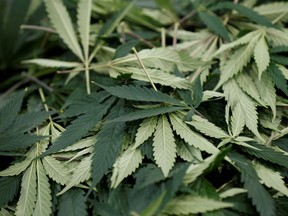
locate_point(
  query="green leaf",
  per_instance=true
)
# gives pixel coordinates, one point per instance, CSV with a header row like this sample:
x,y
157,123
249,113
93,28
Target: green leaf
x,y
157,76
232,192
108,144
164,146
44,198
207,128
260,197
273,10
152,208
72,203
81,173
56,170
27,199
188,153
145,130
237,120
190,136
124,49
12,142
278,78
9,111
140,114
214,23
277,37
125,165
261,56
249,13
61,21
84,15
52,63
79,127
271,178
189,204
138,93
9,187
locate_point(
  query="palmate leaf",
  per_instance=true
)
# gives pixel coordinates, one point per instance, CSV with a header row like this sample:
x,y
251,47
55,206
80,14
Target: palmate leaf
x,y
79,127
190,136
52,63
108,144
215,24
164,146
44,198
186,205
81,173
271,178
237,120
139,93
145,130
261,56
8,112
260,197
157,76
126,164
27,199
235,96
207,128
84,15
72,203
9,187
61,21
134,115
56,170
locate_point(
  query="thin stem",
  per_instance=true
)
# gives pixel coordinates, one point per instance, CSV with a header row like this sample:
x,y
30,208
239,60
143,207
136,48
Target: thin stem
x,y
123,35
44,101
144,69
175,34
36,80
41,28
149,44
163,37
87,76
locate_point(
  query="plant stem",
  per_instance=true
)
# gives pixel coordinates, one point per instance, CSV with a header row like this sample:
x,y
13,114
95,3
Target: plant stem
x,y
163,37
87,77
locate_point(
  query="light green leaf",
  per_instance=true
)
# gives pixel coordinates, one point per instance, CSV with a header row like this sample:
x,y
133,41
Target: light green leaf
x,y
81,173
273,10
157,76
145,130
82,144
164,146
277,37
27,199
56,170
190,136
52,63
271,178
188,152
189,204
211,94
84,15
207,127
261,56
44,198
232,192
126,164
61,21
237,120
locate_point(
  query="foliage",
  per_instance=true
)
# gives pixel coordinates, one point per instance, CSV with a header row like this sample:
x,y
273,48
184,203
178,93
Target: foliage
x,y
144,116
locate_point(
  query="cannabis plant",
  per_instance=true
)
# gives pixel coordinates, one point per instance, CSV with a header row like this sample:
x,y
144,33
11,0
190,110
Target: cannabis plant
x,y
157,108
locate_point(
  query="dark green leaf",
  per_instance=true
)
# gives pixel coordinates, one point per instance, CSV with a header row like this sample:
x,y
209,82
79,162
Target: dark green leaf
x,y
72,203
280,59
249,13
260,197
125,49
138,93
278,78
214,23
108,144
19,141
9,187
197,92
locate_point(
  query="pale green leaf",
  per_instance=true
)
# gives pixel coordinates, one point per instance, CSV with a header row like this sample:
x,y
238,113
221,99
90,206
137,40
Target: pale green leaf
x,y
81,173
27,199
188,153
187,205
207,128
145,130
237,120
190,136
271,178
277,37
61,21
84,15
56,170
56,131
82,144
164,146
126,164
232,192
211,94
273,10
157,76
44,198
261,56
52,63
